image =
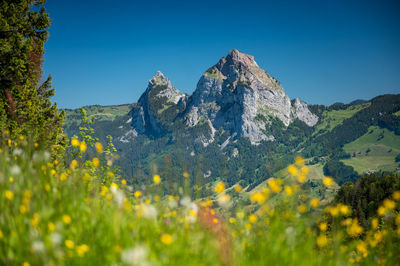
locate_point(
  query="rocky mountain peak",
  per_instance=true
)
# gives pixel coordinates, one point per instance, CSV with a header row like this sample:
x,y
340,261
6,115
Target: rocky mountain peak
x,y
159,79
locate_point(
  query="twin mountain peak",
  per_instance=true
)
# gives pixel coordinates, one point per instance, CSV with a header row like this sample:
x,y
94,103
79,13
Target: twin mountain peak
x,y
234,95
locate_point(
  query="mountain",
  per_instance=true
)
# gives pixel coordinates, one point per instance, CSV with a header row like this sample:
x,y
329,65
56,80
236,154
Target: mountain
x,y
235,94
240,126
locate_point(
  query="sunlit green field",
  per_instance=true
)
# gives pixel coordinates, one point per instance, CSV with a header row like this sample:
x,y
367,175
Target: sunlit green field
x,y
375,150
83,213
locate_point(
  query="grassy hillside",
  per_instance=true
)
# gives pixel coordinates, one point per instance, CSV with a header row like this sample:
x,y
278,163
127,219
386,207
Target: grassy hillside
x,y
332,118
101,113
374,150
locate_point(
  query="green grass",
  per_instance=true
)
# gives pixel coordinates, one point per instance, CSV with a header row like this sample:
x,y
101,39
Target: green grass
x,y
52,214
101,113
333,118
384,146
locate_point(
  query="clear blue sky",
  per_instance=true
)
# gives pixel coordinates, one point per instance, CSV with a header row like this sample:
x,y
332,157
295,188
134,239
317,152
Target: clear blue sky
x,y
104,52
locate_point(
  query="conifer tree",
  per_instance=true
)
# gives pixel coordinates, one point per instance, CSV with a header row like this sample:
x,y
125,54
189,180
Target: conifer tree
x,y
25,106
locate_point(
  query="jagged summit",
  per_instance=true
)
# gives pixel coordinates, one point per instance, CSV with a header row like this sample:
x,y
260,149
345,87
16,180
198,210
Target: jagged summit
x,y
235,94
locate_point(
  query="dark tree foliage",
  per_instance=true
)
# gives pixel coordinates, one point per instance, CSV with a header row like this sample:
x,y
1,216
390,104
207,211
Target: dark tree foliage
x,y
366,194
25,106
339,171
354,127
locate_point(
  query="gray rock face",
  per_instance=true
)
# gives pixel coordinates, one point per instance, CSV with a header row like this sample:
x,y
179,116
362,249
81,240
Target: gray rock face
x,y
159,95
302,112
239,96
235,94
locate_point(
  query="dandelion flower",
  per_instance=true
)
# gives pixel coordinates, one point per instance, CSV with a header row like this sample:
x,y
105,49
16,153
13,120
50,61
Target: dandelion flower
x,y
323,226
99,147
275,185
301,179
299,161
51,227
293,170
185,174
322,241
289,190
9,194
219,188
82,249
166,239
74,142
381,211
238,188
83,146
96,162
389,204
302,208
327,181
232,220
69,244
66,219
253,218
73,164
314,202
396,195
156,179
137,194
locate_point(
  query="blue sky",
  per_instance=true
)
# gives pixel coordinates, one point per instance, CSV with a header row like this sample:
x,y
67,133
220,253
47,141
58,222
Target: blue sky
x,y
104,52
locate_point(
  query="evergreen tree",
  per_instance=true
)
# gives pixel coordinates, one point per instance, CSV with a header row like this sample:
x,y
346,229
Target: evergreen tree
x,y
25,106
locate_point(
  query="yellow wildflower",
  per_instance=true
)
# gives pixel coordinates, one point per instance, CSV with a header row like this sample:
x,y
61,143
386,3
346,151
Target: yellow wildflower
x,y
289,190
219,188
74,142
63,176
82,249
123,182
83,146
389,204
299,160
99,147
73,164
302,179
232,220
323,226
253,218
137,194
258,197
275,185
66,219
26,263
293,170
35,220
322,241
9,194
166,239
304,170
302,208
396,195
186,175
69,244
23,209
11,179
374,223
156,179
381,211
314,202
96,162
51,227
344,209
327,181
238,188
355,229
